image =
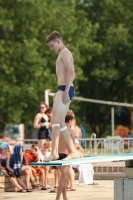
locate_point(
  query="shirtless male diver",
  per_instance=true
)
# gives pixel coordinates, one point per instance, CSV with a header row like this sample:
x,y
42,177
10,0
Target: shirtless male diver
x,y
65,75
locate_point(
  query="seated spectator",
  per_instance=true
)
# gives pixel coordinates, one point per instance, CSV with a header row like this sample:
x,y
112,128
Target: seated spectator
x,y
17,163
1,186
0,154
32,156
7,171
45,153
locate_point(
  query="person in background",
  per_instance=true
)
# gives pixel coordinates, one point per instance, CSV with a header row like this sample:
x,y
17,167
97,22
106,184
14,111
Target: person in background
x,y
67,173
56,177
79,147
45,153
49,113
75,127
130,136
69,120
83,131
1,186
7,171
80,152
42,123
17,163
0,154
33,155
83,135
130,149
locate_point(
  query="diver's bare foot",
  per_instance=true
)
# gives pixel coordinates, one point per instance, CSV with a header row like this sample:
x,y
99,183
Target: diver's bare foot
x,y
71,156
51,157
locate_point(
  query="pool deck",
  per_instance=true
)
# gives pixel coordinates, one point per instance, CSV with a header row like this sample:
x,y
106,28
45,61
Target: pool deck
x,y
103,191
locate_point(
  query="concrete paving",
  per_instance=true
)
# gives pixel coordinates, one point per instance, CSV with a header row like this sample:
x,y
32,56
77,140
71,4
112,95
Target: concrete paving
x,y
103,191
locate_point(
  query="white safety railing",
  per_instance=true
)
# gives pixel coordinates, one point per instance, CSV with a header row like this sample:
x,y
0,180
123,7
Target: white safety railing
x,y
49,93
104,146
93,135
93,146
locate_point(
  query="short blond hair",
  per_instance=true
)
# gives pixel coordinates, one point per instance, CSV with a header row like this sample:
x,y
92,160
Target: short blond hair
x,y
53,36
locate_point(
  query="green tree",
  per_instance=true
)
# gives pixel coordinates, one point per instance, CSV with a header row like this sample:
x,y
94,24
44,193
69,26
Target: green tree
x,y
108,69
99,34
27,67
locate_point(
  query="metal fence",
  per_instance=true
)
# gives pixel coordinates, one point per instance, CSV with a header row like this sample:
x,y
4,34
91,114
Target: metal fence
x,y
94,147
104,146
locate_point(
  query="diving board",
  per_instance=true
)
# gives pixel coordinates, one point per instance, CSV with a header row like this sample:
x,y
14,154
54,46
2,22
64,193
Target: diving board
x,y
93,159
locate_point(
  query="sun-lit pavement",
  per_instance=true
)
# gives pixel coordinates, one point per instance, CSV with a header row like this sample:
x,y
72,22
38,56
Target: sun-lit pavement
x,y
103,191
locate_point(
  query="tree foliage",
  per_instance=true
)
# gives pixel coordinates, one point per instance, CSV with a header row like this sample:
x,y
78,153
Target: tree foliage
x,y
100,36
109,71
27,67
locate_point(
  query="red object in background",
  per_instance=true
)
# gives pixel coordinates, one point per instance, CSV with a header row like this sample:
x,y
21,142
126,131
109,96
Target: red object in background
x,y
123,134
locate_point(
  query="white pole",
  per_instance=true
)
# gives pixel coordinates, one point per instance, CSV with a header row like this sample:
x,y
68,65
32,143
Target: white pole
x,y
46,94
99,101
112,120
